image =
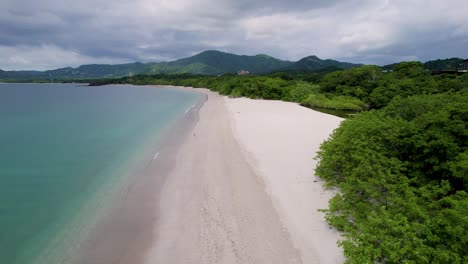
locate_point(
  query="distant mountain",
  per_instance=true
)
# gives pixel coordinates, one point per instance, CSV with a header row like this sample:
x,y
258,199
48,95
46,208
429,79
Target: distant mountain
x,y
447,64
435,65
20,74
98,71
314,63
216,62
208,63
90,71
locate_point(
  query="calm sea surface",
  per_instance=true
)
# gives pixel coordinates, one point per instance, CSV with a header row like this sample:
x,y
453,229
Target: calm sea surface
x,y
60,146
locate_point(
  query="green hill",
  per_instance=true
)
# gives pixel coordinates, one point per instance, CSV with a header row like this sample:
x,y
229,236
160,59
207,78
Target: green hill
x,y
447,64
98,71
434,65
314,63
20,74
90,71
216,62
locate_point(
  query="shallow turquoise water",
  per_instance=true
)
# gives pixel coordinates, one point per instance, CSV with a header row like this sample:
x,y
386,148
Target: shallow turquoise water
x,y
59,143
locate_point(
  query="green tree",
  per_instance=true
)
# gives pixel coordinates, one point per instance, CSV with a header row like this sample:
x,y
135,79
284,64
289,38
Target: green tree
x,y
402,175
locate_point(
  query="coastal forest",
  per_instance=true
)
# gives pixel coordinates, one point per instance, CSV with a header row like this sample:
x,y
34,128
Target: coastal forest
x,y
400,162
399,159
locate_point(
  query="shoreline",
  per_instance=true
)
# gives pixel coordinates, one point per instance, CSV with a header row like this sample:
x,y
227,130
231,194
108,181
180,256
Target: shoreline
x,y
118,236
97,149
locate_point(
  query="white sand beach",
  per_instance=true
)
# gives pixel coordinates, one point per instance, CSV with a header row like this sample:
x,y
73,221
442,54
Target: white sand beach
x,y
242,188
280,140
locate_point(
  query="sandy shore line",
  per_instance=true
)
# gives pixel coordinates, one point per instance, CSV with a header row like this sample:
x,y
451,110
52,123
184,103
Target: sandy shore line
x,y
241,188
124,233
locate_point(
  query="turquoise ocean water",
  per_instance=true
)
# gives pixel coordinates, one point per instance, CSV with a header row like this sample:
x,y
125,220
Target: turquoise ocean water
x,y
61,145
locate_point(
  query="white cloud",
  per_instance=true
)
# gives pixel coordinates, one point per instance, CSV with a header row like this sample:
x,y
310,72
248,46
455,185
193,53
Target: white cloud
x,y
369,31
366,30
45,57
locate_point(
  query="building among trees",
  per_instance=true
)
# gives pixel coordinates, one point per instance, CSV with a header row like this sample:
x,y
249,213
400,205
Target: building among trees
x,y
463,67
243,72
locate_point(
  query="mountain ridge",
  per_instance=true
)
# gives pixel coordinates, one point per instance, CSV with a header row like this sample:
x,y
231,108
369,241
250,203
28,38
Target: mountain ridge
x,y
435,65
314,63
210,62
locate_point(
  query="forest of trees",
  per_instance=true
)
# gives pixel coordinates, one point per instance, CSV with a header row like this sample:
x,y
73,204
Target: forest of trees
x,y
402,172
402,168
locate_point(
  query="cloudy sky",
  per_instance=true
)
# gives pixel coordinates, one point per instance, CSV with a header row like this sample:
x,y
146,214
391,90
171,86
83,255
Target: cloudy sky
x,y
46,34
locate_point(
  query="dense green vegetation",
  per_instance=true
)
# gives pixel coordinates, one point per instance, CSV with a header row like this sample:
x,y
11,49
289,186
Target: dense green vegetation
x,y
447,64
336,102
372,86
435,65
402,170
403,176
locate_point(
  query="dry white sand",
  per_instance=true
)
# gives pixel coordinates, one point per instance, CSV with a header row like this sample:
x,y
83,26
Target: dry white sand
x,y
242,190
280,140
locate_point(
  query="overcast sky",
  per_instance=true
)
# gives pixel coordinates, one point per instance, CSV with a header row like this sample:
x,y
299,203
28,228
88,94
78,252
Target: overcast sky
x,y
47,34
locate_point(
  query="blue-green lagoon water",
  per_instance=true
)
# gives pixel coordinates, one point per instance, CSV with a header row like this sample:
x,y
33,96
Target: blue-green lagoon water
x,y
61,145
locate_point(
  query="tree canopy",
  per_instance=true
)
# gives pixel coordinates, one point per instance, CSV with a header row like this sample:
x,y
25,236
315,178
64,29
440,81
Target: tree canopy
x,y
403,177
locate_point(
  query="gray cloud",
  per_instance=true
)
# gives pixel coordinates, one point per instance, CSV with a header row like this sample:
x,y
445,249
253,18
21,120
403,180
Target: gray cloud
x,y
53,33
